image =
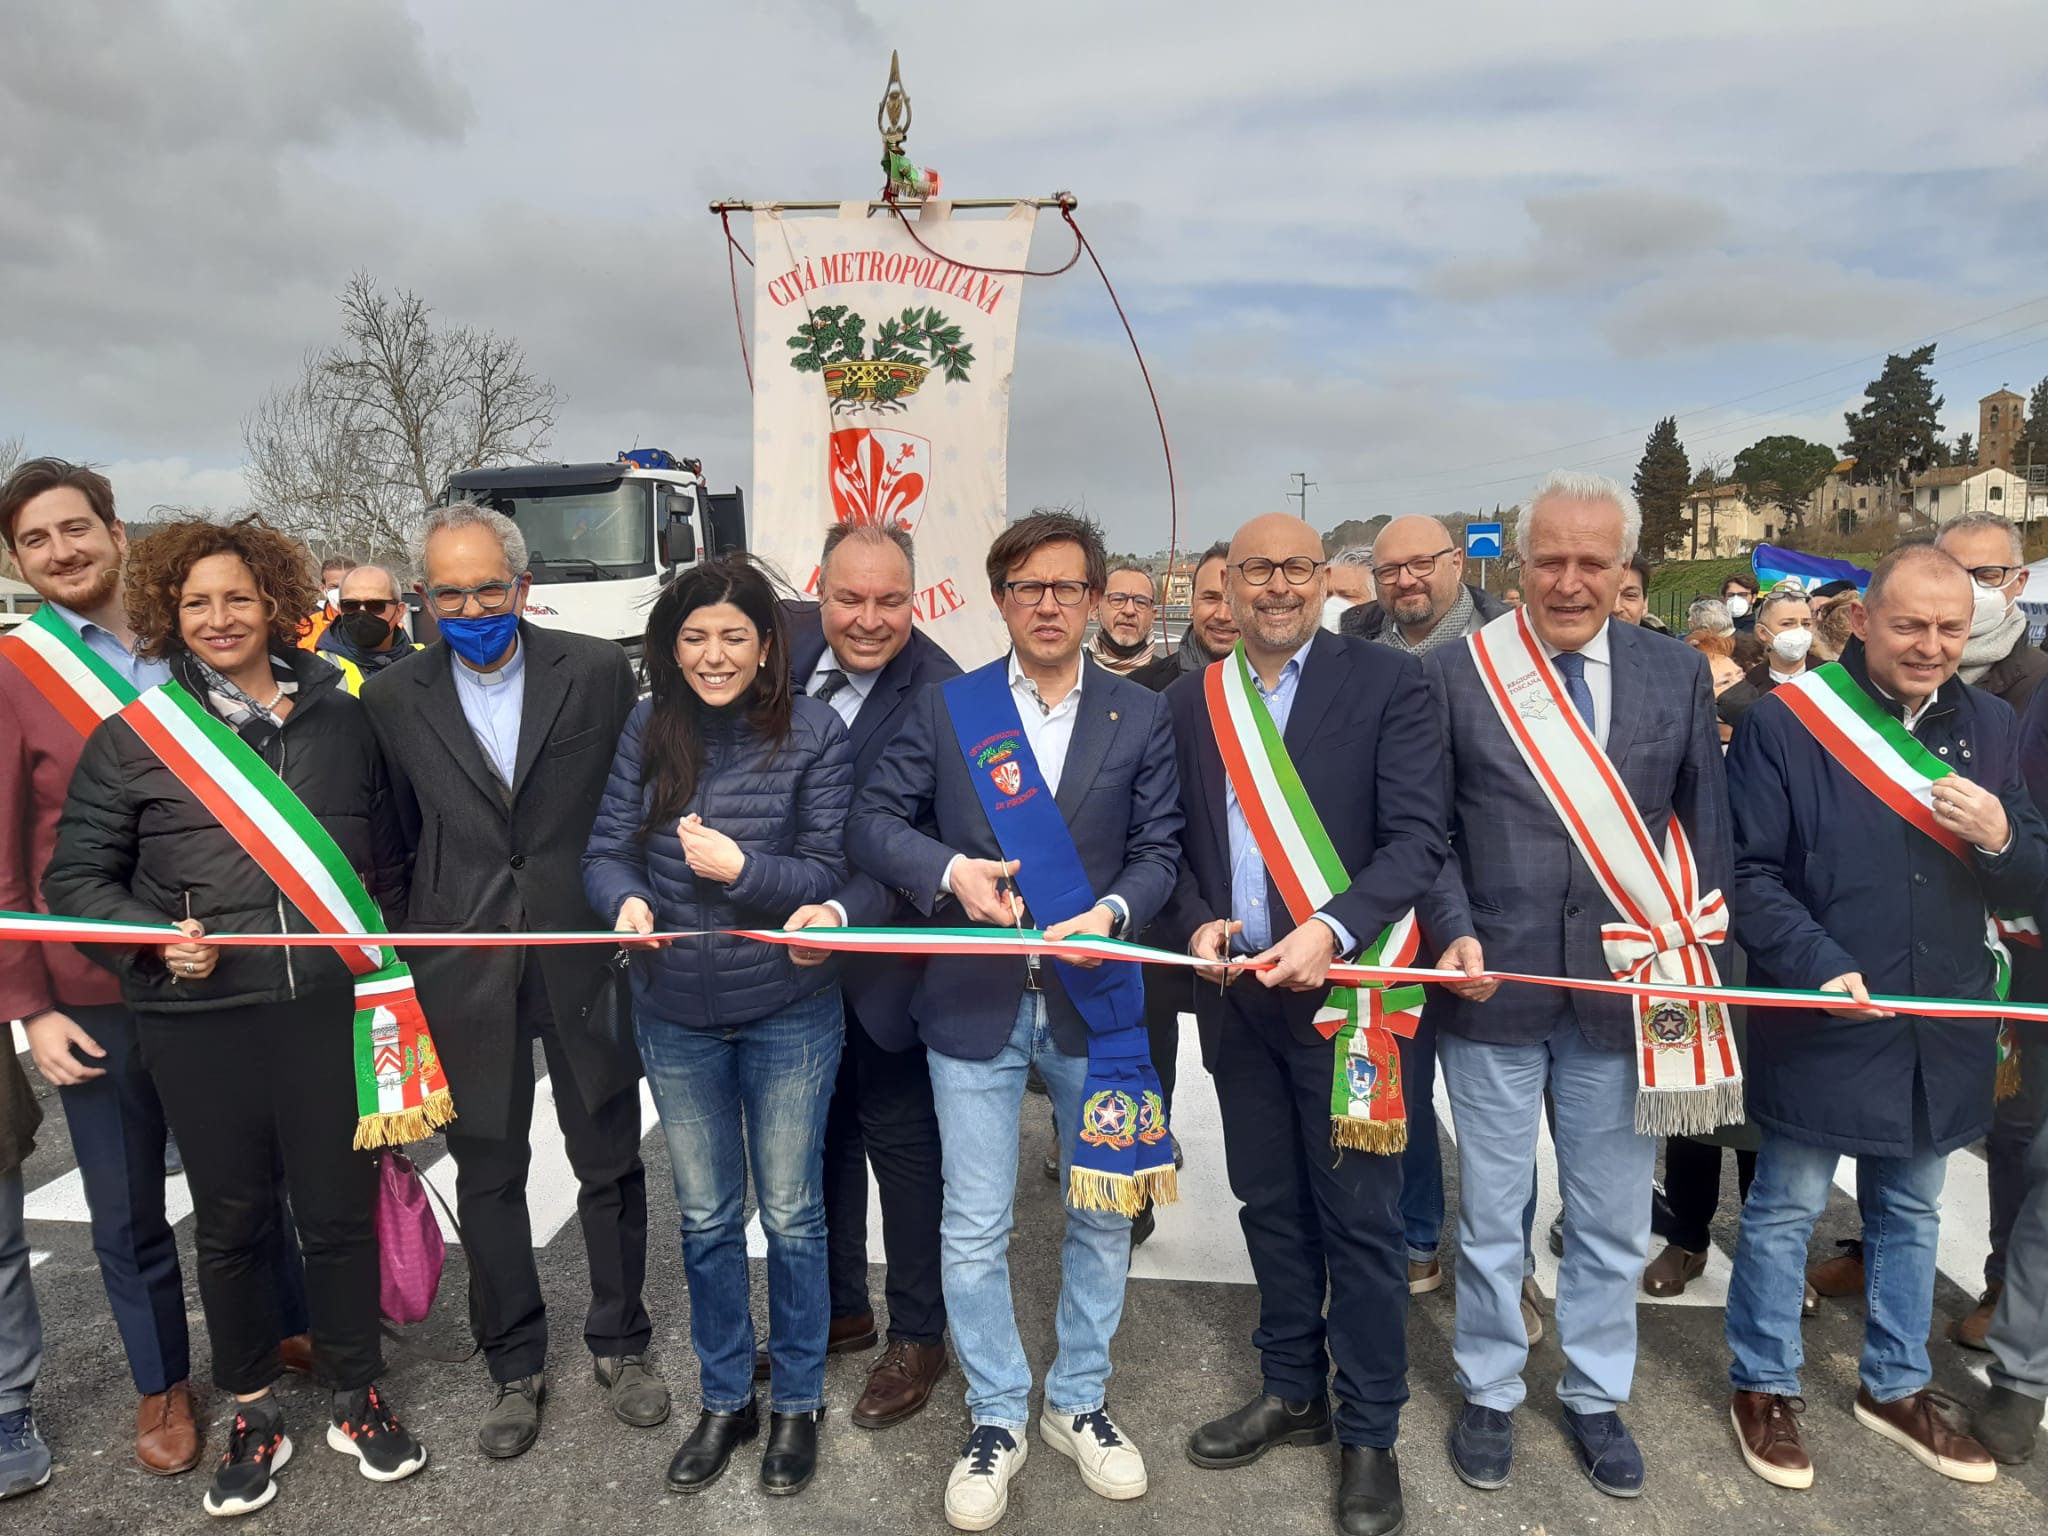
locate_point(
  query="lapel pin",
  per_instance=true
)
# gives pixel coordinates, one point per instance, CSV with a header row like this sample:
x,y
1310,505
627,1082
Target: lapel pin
x,y
1112,714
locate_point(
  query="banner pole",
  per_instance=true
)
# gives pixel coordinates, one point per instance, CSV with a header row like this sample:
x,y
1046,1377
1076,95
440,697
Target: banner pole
x,y
876,205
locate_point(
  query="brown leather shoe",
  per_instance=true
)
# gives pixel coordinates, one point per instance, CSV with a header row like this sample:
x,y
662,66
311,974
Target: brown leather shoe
x,y
845,1336
1767,1431
899,1384
1970,1329
167,1432
1673,1270
1424,1277
296,1354
1930,1424
1840,1276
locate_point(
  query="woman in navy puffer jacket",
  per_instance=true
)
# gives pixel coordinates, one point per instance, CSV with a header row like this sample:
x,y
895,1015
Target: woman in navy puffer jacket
x,y
724,810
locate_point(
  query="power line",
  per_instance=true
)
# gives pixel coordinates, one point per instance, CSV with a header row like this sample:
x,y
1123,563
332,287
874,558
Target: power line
x,y
1301,494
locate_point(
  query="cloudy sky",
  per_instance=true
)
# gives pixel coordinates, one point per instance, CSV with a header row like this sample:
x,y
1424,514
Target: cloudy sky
x,y
1421,253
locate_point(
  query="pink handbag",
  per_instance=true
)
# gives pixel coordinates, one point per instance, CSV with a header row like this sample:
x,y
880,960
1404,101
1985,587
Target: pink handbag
x,y
409,1241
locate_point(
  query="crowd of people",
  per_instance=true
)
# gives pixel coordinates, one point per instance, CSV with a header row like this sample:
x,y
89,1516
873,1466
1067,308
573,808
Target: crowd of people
x,y
1356,757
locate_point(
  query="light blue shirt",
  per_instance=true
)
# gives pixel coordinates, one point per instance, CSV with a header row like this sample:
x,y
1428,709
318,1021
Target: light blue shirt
x,y
852,693
140,671
1250,902
492,703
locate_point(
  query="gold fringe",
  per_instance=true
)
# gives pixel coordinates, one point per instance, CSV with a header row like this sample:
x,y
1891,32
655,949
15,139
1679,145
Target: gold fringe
x,y
1091,1190
2008,1080
1383,1136
1161,1186
394,1128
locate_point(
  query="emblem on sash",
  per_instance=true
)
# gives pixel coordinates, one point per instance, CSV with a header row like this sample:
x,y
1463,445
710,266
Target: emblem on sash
x,y
1673,1025
1107,1118
1151,1118
1363,1074
1008,776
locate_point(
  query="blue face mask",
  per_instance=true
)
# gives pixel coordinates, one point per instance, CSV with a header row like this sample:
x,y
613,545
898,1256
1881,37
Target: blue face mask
x,y
481,641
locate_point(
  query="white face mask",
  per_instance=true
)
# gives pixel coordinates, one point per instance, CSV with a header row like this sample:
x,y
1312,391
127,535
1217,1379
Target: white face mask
x,y
1334,608
1988,608
1737,606
1790,645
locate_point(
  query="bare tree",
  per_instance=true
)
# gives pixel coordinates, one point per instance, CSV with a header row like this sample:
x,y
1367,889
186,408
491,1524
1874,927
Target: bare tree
x,y
350,455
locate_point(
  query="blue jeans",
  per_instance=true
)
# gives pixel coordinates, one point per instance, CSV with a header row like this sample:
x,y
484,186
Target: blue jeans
x,y
978,1104
1604,1166
775,1076
1422,1165
1901,1199
21,1325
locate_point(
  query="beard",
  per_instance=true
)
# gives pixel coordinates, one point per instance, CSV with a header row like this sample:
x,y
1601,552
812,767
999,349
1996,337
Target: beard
x,y
1280,628
85,590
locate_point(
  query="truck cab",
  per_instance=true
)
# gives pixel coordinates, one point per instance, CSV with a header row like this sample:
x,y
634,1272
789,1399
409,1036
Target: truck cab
x,y
602,540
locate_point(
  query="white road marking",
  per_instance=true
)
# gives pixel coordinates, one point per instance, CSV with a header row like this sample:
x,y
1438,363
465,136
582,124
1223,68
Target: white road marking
x,y
36,1256
63,1199
20,1037
1198,1238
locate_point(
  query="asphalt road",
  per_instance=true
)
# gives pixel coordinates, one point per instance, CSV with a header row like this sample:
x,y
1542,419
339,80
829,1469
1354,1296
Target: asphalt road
x,y
1182,1356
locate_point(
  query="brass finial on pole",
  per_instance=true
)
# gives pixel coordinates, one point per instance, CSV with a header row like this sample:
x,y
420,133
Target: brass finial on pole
x,y
892,117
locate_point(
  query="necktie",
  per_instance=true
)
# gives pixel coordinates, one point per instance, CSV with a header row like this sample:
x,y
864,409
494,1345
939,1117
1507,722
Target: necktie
x,y
828,685
1572,667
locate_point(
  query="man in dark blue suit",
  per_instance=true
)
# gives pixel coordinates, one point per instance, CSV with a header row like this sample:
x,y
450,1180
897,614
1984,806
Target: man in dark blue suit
x,y
1516,894
1359,726
1105,750
859,652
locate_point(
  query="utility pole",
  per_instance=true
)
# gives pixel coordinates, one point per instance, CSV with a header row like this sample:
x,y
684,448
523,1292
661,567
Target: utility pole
x,y
1301,493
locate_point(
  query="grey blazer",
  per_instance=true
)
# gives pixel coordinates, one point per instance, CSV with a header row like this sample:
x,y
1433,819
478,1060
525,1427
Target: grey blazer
x,y
1515,882
505,858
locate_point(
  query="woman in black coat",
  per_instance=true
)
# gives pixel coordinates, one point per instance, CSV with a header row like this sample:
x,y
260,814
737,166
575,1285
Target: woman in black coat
x,y
725,810
251,1048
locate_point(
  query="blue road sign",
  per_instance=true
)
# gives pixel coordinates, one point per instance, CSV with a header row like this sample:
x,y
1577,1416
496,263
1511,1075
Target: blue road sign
x,y
1482,541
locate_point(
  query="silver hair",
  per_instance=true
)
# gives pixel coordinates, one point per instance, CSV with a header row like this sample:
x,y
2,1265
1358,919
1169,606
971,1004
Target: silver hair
x,y
1777,597
397,591
467,514
1358,554
1711,615
1582,485
1998,520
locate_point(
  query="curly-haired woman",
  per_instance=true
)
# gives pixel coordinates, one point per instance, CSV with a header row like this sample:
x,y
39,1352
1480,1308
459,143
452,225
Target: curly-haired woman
x,y
251,1048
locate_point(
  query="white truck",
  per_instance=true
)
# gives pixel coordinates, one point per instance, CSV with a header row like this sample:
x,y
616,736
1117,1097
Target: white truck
x,y
602,540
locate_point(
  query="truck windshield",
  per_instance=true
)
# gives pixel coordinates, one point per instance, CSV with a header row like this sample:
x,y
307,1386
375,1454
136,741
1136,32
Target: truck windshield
x,y
579,533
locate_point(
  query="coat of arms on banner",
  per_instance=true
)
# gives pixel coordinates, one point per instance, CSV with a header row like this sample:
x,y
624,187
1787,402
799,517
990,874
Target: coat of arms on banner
x,y
1008,776
879,476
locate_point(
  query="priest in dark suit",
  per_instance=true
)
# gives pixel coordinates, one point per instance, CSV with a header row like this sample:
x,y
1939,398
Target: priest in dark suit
x,y
858,650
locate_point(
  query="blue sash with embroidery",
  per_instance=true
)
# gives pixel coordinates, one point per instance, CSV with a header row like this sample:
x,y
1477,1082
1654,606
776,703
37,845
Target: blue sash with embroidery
x,y
1122,1153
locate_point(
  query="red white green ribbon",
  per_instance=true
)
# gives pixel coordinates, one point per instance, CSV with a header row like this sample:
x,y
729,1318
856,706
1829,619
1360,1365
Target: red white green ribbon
x,y
401,1090
1367,1110
60,666
1687,1078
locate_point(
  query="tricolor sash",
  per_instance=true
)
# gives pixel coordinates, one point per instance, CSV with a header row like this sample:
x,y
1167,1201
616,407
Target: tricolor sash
x,y
1367,1110
63,669
1889,761
1122,1153
1687,1078
401,1090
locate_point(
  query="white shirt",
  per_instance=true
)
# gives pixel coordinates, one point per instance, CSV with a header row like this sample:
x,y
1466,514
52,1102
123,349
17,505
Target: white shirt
x,y
852,693
1782,677
492,703
1599,656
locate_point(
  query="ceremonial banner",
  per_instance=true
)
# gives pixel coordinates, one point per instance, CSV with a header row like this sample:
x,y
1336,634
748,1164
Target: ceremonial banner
x,y
883,396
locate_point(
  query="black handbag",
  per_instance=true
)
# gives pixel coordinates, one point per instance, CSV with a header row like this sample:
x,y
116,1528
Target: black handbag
x,y
607,1011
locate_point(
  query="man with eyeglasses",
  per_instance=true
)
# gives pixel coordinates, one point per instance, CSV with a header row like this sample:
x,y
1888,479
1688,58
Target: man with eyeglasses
x,y
368,631
1998,658
1423,603
1123,638
499,739
1038,790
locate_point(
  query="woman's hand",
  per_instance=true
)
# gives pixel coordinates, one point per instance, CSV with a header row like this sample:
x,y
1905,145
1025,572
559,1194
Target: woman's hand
x,y
190,961
813,916
636,917
712,855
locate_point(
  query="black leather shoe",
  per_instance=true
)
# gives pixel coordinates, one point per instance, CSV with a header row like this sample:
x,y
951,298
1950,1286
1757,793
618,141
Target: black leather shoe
x,y
702,1459
1241,1438
792,1455
1369,1493
512,1423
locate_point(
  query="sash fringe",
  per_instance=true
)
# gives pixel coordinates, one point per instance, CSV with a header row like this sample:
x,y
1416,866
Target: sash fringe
x,y
394,1128
1159,1186
2008,1080
1090,1189
1689,1111
1382,1136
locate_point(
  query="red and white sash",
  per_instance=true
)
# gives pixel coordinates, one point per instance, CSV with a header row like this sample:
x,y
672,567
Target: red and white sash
x,y
1688,1080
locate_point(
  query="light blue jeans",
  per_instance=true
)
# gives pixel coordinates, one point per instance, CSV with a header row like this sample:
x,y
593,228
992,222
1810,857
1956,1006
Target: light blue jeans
x,y
979,1103
754,1094
1604,1169
21,1325
1901,1201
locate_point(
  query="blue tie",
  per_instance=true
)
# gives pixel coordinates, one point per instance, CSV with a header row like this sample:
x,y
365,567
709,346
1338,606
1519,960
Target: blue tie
x,y
1573,668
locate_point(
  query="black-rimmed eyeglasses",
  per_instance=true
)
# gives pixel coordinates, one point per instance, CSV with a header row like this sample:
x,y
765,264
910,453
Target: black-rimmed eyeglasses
x,y
1299,571
1421,567
1029,594
1994,576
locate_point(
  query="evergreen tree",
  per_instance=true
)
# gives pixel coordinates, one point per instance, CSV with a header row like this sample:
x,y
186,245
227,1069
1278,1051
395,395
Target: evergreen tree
x,y
1661,482
1782,471
2032,446
1897,433
1965,450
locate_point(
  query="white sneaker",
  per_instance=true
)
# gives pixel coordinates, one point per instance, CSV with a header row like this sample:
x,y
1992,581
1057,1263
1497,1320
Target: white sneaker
x,y
1110,1464
978,1488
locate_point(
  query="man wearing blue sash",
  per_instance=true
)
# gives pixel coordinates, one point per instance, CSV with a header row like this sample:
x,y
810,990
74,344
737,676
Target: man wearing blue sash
x,y
1039,791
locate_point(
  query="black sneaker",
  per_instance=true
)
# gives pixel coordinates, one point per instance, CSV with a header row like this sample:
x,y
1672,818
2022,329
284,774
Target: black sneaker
x,y
258,1449
365,1427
